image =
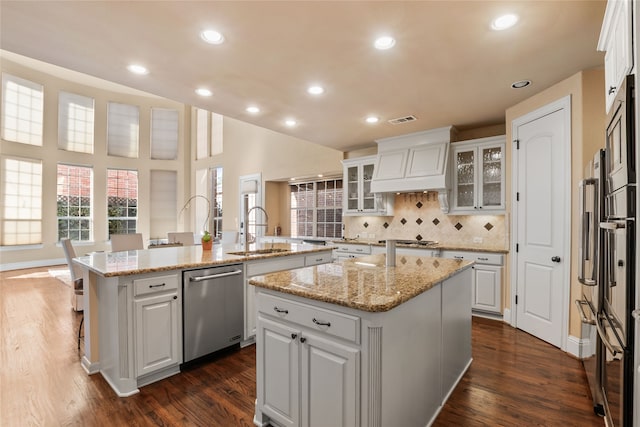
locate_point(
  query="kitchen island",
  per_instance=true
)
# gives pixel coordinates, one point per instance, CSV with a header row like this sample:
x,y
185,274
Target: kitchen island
x,y
359,343
133,304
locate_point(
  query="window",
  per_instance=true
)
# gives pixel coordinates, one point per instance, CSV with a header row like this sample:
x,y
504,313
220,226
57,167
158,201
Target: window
x,y
164,201
74,202
22,110
164,134
122,201
316,209
122,130
75,123
21,201
216,196
202,133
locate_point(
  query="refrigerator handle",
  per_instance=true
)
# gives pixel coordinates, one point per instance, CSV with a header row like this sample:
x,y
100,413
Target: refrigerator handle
x,y
583,316
586,229
605,340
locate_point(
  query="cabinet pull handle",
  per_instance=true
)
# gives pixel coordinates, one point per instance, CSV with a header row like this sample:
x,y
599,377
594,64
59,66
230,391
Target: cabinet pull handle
x,y
458,257
612,89
294,336
157,286
483,258
321,323
318,259
281,310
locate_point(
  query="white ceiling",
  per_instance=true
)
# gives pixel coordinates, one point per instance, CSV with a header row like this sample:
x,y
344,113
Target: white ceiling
x,y
447,68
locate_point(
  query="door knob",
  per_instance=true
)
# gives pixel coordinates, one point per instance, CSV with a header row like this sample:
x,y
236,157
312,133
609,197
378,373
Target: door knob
x,y
555,258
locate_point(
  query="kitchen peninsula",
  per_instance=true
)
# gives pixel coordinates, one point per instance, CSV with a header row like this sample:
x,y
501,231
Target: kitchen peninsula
x,y
133,303
360,343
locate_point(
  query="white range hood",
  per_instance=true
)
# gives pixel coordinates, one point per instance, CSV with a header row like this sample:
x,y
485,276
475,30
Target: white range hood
x,y
415,162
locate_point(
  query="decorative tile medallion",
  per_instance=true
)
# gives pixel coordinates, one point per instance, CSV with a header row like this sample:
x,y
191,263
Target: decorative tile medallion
x,y
458,226
418,237
385,225
419,262
403,221
435,221
403,260
419,205
418,221
488,226
366,224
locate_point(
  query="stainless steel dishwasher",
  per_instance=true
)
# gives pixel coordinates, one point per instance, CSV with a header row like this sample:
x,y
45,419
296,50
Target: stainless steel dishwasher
x,y
212,310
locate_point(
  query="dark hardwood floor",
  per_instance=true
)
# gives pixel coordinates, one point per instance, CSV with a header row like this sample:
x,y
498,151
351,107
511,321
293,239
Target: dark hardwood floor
x,y
515,379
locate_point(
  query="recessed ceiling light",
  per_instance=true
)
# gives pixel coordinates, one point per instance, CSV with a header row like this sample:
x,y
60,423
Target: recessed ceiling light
x,y
384,42
520,84
212,37
138,69
253,109
204,92
290,122
315,90
505,21
319,175
372,119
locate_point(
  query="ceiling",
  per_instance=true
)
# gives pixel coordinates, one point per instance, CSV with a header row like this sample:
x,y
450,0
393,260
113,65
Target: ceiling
x,y
447,68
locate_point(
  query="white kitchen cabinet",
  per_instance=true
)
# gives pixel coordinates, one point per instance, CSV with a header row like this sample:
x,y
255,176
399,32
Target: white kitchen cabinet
x,y
344,251
478,175
358,199
616,40
306,378
156,333
486,281
271,265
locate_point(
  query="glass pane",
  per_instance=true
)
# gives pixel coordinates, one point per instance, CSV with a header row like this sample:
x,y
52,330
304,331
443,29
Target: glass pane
x,y
465,169
367,172
465,195
491,194
352,173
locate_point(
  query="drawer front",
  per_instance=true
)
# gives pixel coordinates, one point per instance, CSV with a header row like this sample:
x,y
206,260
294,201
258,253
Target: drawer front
x,y
319,258
478,257
318,319
257,268
155,284
354,249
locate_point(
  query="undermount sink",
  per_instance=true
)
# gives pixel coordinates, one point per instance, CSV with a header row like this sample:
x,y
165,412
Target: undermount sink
x,y
259,252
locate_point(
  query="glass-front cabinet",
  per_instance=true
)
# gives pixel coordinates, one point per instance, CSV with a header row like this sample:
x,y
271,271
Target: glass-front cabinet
x,y
358,198
478,175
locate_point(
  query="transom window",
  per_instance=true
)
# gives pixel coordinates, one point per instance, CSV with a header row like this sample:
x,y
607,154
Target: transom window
x,y
316,209
74,202
122,201
21,201
75,122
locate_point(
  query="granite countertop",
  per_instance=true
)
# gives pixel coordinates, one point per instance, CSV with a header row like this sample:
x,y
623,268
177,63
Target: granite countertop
x,y
471,247
126,263
364,283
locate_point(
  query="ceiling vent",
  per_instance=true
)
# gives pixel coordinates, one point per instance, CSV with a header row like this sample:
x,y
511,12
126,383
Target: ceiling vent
x,y
401,120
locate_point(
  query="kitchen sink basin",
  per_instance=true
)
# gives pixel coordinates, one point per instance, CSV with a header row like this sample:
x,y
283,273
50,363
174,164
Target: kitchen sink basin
x,y
259,252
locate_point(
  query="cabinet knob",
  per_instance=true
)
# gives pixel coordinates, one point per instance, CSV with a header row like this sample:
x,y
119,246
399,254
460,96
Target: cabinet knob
x,y
294,336
555,258
612,89
175,297
302,339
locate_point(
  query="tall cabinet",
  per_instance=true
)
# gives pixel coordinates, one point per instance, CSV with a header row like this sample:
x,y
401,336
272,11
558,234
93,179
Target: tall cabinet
x,y
358,198
478,175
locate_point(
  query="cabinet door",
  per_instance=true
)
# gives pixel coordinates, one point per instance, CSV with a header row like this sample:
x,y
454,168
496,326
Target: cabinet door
x,y
277,369
330,383
465,179
486,288
156,333
352,188
491,188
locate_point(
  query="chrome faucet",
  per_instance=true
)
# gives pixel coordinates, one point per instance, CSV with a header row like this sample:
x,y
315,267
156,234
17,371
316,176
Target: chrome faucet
x,y
246,224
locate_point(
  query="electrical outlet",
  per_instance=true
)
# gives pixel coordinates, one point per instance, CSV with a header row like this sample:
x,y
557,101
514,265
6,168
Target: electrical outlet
x,y
477,240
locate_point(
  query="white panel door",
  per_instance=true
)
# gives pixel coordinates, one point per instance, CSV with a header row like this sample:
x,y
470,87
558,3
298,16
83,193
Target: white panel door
x,y
542,184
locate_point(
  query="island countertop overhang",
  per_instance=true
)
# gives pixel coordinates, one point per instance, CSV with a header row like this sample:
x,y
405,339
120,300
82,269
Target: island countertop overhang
x,y
364,283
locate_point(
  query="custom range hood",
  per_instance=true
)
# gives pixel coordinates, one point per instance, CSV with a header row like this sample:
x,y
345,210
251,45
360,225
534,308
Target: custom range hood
x,y
416,162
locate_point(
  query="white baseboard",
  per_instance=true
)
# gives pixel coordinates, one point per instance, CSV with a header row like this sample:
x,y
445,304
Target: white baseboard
x,y
506,316
32,264
578,347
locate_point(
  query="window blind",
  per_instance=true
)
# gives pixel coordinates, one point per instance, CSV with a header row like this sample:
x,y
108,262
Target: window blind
x,y
21,201
75,122
22,110
164,201
164,134
123,130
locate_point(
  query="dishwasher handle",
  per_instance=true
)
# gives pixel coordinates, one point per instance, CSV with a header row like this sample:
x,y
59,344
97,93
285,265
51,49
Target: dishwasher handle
x,y
215,276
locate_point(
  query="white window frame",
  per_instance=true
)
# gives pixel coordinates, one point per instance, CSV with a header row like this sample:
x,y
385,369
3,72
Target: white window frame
x,y
88,219
123,218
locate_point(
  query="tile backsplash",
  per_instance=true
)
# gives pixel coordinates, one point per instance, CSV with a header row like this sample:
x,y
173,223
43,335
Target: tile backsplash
x,y
418,216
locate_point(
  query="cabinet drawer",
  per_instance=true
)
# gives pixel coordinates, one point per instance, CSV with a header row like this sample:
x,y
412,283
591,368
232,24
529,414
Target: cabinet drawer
x,y
155,284
478,257
328,321
319,258
354,249
258,268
